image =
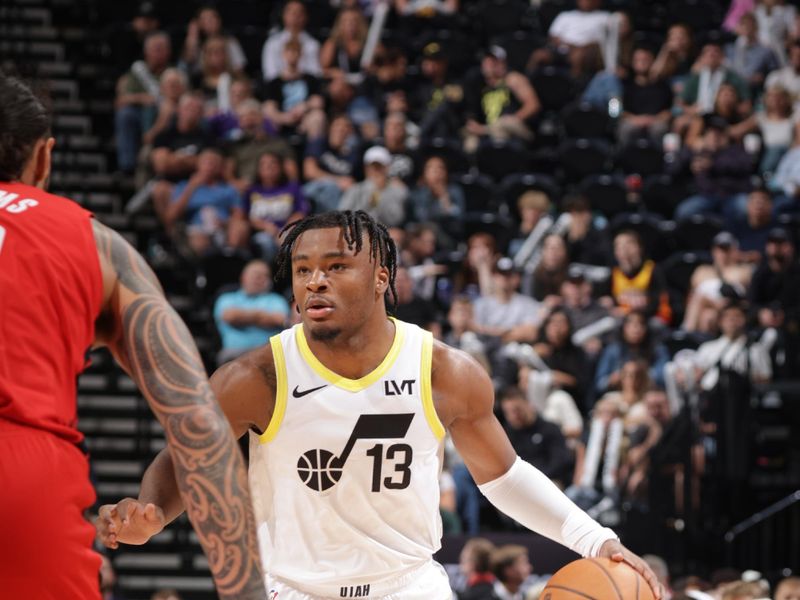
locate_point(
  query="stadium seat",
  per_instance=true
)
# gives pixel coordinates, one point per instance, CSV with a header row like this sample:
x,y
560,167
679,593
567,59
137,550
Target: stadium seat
x,y
496,17
678,340
582,157
554,87
696,232
641,157
583,120
661,194
450,150
519,45
679,267
499,159
479,193
606,193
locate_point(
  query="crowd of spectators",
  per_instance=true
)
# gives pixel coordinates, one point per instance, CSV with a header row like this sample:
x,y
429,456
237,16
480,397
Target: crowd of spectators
x,y
599,206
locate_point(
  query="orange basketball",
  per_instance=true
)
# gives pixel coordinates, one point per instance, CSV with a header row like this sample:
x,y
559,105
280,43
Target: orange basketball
x,y
597,579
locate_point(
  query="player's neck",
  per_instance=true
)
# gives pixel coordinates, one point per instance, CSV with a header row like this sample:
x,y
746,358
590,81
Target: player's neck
x,y
355,355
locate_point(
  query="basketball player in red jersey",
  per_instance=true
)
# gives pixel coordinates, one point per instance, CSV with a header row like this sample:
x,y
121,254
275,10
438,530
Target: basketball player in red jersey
x,y
68,283
342,266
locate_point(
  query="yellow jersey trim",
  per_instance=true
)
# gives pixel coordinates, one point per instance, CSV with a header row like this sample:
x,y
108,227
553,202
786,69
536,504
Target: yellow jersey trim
x,y
280,393
351,385
427,390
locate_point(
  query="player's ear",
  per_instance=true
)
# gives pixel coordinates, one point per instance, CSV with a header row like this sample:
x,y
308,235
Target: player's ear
x,y
43,160
381,281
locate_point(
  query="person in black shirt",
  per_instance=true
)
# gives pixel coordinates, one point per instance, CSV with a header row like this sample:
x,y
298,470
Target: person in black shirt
x,y
646,102
437,102
537,441
413,309
294,98
774,292
586,243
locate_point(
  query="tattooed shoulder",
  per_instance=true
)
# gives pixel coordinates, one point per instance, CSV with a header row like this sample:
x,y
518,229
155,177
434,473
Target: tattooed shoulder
x,y
128,265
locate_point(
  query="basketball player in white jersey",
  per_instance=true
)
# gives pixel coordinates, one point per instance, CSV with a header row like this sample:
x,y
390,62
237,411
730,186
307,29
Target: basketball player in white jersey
x,y
346,413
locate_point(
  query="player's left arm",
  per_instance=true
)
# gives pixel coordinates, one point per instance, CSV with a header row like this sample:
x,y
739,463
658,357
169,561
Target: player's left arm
x,y
464,398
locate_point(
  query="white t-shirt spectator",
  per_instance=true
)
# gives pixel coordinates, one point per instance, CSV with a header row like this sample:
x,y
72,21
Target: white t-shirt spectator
x,y
579,28
735,356
272,55
788,79
519,310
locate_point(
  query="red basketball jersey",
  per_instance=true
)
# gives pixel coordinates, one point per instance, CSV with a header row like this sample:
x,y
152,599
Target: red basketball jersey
x,y
51,292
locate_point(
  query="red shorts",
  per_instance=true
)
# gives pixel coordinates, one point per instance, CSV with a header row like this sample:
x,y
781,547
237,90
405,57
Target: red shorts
x,y
45,541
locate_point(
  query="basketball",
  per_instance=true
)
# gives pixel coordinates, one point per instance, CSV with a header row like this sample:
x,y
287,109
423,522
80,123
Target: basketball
x,y
597,579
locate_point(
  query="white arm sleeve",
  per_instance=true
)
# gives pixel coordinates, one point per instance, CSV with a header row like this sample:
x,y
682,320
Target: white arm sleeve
x,y
526,495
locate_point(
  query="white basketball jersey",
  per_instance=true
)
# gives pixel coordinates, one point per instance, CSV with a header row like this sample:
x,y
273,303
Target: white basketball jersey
x,y
345,479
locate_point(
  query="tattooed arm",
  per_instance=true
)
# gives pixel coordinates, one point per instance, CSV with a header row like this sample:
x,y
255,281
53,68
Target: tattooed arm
x,y
151,342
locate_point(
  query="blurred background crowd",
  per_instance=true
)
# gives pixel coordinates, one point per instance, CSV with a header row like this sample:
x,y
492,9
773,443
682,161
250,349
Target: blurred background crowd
x,y
597,200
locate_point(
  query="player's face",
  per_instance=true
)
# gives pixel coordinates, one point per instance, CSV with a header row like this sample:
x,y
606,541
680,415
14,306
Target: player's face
x,y
337,290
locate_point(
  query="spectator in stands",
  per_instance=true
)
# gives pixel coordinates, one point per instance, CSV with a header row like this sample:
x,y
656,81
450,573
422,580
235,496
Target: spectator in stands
x,y
176,149
437,101
475,276
644,424
511,567
166,595
414,309
380,196
535,439
435,198
344,98
788,77
532,205
293,99
137,96
125,40
560,385
635,342
451,524
774,120
584,311
786,180
748,57
215,77
586,242
732,352
342,52
728,275
751,230
577,35
647,102
720,170
777,25
788,589
271,203
248,317
461,334
700,90
742,590
551,271
676,57
225,124
503,312
294,22
424,9
210,208
172,85
475,564
634,383
417,253
207,24
250,143
728,109
659,567
637,282
502,102
330,165
774,293
395,141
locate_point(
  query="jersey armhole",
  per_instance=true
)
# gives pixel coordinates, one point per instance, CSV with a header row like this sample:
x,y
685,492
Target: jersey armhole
x,y
427,390
280,393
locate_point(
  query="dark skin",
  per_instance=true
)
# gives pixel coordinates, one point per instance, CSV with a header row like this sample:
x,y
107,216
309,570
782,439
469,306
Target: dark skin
x,y
341,299
148,339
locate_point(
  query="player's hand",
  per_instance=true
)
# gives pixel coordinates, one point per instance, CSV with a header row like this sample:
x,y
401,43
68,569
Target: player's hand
x,y
128,522
617,552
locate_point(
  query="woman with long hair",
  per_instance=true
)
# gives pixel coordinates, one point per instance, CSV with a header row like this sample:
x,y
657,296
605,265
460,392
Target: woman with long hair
x,y
340,55
215,77
435,197
635,342
208,23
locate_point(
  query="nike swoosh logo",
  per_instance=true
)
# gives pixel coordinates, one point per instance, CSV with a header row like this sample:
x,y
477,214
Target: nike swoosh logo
x,y
299,394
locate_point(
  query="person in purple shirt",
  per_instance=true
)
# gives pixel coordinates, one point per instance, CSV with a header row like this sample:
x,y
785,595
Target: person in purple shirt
x,y
272,202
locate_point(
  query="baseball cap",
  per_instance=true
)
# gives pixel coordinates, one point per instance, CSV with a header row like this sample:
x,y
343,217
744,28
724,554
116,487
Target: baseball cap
x,y
433,51
377,154
778,234
725,239
497,52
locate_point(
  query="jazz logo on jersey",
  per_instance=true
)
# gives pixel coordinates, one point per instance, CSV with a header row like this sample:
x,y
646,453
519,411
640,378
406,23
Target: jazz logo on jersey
x,y
320,469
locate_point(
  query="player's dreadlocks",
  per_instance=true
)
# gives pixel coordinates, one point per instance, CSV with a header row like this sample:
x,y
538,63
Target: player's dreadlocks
x,y
353,226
